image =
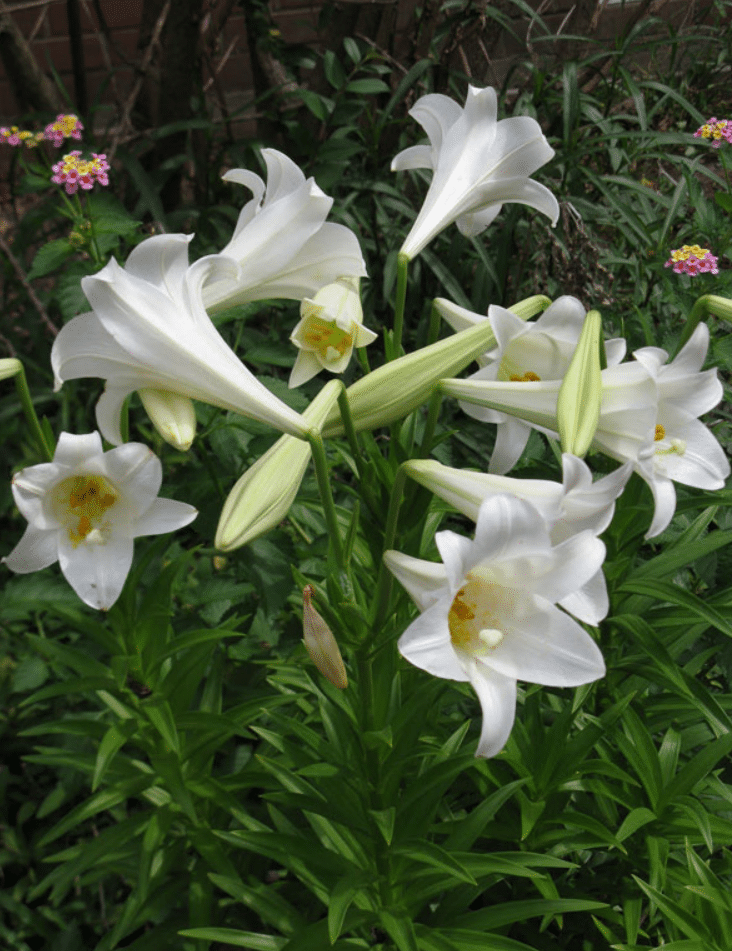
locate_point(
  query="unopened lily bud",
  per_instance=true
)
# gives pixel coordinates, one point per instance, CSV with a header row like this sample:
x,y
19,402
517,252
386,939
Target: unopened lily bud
x,y
320,643
580,395
172,415
9,367
263,495
395,389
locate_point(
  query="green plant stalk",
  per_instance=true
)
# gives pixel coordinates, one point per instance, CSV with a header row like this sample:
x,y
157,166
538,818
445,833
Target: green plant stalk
x,y
335,545
709,304
401,298
384,579
26,401
353,444
433,412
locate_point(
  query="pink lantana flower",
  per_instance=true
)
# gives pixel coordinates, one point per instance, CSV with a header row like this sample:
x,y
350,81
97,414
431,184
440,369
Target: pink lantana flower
x,y
718,130
73,172
64,127
12,135
693,260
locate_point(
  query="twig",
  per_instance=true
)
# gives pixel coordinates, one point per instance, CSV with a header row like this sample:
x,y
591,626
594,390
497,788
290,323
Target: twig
x,y
5,247
144,66
381,51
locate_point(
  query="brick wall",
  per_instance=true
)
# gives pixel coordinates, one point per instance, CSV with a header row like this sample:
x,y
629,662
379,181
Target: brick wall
x,y
110,72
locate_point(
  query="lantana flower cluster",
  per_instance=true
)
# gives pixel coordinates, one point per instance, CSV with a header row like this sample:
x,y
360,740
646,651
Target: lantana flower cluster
x,y
63,127
692,259
74,172
12,135
718,130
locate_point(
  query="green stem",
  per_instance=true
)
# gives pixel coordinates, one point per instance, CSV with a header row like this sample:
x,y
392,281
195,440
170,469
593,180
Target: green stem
x,y
429,428
401,297
326,496
383,583
709,304
26,401
345,408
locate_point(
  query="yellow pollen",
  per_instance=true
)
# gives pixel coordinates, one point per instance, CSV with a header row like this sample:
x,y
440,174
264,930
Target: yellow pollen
x,y
81,503
528,377
479,614
324,336
660,433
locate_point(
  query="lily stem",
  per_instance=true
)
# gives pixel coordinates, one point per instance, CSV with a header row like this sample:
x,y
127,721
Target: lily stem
x,y
384,580
401,298
345,409
433,412
26,401
326,497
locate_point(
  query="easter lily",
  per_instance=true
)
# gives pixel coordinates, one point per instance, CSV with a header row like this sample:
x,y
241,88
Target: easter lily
x,y
282,242
527,353
489,612
478,163
682,448
331,325
576,505
85,508
148,330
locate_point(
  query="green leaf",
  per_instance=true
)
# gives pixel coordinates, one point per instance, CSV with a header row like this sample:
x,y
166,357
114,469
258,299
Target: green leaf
x,y
352,49
695,770
112,741
161,717
691,926
400,929
635,820
507,913
431,854
673,594
334,72
29,674
724,201
50,257
237,939
341,899
99,802
369,86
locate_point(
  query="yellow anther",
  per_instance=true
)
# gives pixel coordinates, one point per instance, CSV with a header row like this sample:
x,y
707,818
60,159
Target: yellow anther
x,y
528,377
660,433
81,502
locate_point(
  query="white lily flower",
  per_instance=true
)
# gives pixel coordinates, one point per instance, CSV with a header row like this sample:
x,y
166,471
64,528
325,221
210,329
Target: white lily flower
x,y
489,613
331,325
525,352
683,449
479,163
148,330
282,242
85,508
576,505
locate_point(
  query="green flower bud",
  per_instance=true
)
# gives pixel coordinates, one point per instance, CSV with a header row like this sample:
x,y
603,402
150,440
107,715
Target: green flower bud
x,y
263,495
580,395
172,415
9,367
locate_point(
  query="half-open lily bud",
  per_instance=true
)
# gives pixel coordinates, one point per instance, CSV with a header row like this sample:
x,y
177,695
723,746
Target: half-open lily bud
x,y
580,395
9,367
263,495
320,643
172,415
331,325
